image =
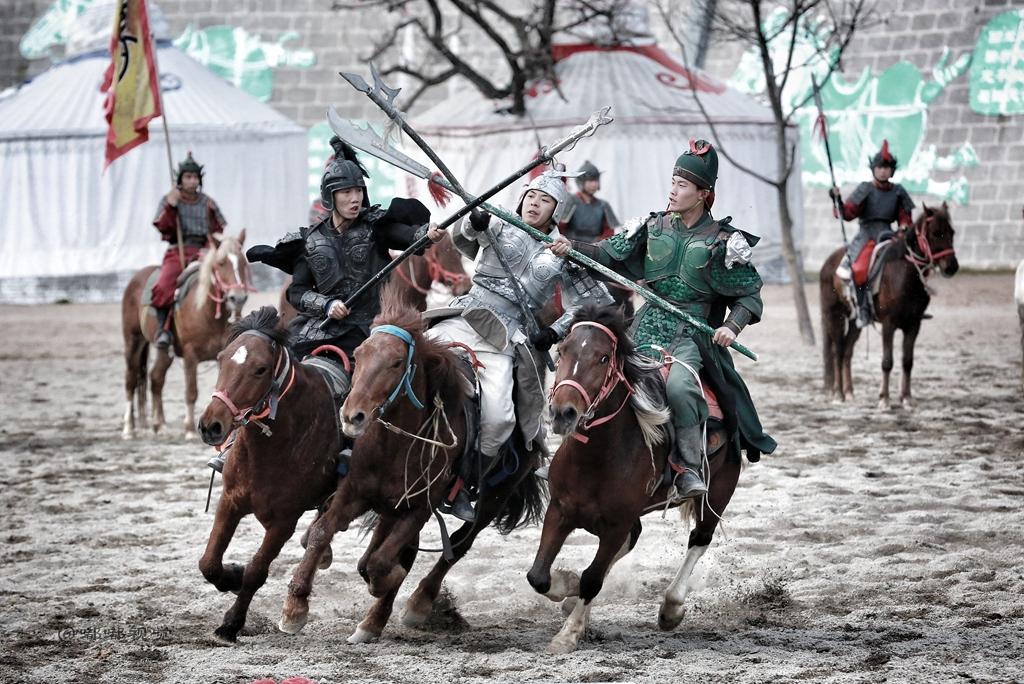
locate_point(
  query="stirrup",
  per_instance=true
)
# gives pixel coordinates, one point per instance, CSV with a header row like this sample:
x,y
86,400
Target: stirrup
x,y
461,507
163,340
684,487
217,462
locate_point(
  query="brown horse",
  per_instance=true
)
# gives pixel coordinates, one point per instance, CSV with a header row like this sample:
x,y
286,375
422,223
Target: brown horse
x,y
441,263
200,324
402,467
900,303
277,476
610,404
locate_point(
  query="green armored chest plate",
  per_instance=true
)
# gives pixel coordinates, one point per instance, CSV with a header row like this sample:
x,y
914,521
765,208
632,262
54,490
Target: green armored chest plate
x,y
674,251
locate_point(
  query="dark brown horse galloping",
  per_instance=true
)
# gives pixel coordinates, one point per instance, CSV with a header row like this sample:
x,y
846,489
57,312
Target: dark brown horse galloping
x,y
278,476
407,410
900,303
608,472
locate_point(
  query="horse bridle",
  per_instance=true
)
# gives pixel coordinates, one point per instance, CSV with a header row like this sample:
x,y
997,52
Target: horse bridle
x,y
613,376
266,406
404,385
221,290
926,260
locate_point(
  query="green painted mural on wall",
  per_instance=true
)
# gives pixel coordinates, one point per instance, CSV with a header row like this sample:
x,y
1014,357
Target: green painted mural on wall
x,y
50,29
861,113
383,183
997,71
243,58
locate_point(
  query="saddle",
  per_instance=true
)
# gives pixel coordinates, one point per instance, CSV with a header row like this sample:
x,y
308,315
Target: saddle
x,y
186,281
867,269
716,437
333,366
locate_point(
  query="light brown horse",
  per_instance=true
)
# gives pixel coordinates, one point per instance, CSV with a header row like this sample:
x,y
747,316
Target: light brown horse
x,y
278,476
900,304
402,467
608,472
200,324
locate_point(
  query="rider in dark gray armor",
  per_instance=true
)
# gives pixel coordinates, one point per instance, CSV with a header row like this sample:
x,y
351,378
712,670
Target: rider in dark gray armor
x,y
877,204
590,219
330,260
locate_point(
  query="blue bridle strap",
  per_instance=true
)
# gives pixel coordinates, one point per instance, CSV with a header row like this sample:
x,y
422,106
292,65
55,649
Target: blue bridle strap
x,y
405,384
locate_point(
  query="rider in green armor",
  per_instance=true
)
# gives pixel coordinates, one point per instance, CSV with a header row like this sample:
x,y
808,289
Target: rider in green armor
x,y
701,265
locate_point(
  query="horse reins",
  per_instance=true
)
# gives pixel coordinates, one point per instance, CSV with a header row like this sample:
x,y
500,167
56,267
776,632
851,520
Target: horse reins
x,y
612,378
435,272
925,261
266,405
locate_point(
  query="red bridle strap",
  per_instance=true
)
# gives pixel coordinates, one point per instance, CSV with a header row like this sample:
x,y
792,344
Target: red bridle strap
x,y
928,257
612,378
282,382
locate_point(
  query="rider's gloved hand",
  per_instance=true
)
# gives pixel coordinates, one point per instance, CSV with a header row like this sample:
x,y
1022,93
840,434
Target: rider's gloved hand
x,y
543,339
478,220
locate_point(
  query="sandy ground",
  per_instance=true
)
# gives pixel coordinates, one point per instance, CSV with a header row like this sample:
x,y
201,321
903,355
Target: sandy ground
x,y
873,546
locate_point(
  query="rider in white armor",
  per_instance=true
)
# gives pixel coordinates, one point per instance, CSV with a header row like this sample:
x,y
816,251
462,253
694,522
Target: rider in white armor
x,y
490,320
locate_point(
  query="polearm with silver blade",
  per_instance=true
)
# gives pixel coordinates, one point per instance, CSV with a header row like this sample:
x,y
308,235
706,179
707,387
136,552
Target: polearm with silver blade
x,y
369,142
596,120
384,97
821,124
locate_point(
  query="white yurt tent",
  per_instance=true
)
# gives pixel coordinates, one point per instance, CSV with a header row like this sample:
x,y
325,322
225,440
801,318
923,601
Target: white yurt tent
x,y
70,230
655,116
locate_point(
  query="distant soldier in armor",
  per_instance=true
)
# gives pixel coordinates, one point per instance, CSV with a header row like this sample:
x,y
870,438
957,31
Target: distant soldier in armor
x,y
489,320
590,219
200,218
878,204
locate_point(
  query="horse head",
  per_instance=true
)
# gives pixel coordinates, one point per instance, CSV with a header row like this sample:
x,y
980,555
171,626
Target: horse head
x,y
385,364
591,359
934,232
447,268
248,369
225,275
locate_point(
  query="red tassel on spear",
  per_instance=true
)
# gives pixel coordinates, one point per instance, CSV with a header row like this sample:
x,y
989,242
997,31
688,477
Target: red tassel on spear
x,y
437,191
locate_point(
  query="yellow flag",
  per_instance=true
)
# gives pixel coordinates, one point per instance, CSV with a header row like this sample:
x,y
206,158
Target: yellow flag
x,y
131,82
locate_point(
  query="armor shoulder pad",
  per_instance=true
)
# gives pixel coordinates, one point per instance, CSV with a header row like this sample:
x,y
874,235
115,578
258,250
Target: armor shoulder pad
x,y
632,226
373,214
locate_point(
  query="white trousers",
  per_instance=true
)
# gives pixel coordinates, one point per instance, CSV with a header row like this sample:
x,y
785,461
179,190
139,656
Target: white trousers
x,y
497,410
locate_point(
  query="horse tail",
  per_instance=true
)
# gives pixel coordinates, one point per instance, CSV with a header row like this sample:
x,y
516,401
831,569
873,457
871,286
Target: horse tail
x,y
368,524
524,506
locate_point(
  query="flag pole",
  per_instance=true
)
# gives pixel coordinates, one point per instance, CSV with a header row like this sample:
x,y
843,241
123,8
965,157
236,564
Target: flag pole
x,y
167,142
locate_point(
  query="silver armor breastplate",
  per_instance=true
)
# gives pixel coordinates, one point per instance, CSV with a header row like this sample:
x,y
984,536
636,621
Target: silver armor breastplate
x,y
530,262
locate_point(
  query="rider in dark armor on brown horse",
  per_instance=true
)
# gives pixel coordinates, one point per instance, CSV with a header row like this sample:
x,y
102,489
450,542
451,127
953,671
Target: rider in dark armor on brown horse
x,y
877,204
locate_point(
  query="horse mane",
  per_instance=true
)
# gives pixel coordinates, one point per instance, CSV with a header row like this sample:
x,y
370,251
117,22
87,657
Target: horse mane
x,y
210,256
264,320
440,365
644,374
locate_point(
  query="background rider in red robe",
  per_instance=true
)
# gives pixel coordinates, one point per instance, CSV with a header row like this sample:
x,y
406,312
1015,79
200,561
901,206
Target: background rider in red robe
x,y
200,218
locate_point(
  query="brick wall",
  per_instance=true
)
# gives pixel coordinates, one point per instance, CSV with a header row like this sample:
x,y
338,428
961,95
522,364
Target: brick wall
x,y
990,232
990,229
